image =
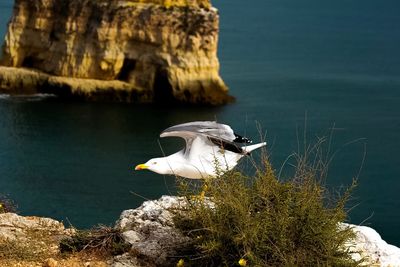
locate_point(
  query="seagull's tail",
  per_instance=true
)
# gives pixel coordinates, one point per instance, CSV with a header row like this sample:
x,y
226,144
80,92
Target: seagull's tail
x,y
250,148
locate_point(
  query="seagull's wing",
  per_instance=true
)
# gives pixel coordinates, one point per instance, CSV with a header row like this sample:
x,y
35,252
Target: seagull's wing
x,y
213,133
209,128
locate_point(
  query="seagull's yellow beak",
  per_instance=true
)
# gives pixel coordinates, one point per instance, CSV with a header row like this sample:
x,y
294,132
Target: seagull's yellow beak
x,y
141,167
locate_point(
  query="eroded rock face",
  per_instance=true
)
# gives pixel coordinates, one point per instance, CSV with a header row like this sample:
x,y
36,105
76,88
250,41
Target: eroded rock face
x,y
150,230
166,48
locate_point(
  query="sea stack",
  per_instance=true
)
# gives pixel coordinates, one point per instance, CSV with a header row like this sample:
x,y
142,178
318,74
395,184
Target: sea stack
x,y
127,50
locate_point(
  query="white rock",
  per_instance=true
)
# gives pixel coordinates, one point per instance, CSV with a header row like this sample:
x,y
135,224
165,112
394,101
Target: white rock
x,y
369,245
150,230
124,260
131,236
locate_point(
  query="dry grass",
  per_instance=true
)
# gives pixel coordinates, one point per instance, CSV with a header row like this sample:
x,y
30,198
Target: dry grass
x,y
36,245
102,240
39,246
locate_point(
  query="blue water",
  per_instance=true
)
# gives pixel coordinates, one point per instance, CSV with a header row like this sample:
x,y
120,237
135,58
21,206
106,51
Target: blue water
x,y
291,64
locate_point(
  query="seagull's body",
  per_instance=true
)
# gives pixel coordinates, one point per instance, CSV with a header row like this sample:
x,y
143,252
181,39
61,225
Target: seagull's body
x,y
211,148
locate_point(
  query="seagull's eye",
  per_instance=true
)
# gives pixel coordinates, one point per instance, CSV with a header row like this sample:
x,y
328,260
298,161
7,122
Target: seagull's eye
x,y
154,163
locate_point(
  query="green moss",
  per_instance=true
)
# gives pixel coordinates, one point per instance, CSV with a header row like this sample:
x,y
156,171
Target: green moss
x,y
265,221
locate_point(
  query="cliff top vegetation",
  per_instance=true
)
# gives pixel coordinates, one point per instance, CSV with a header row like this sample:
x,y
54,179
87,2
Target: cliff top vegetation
x,y
264,220
179,3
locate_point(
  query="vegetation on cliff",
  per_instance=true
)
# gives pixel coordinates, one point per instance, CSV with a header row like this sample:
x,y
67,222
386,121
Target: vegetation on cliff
x,y
266,221
178,3
35,241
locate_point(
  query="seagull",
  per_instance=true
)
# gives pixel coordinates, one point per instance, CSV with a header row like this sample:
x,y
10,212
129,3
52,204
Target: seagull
x,y
211,149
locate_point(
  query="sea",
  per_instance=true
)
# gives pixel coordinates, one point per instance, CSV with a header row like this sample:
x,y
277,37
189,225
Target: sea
x,y
300,71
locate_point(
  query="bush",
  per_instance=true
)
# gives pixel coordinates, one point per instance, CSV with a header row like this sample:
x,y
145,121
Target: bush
x,y
260,221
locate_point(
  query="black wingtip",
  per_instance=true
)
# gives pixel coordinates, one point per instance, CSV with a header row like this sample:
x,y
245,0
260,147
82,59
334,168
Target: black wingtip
x,y
241,139
227,145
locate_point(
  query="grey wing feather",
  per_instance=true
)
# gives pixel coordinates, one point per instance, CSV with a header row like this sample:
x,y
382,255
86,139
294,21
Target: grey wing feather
x,y
207,128
217,134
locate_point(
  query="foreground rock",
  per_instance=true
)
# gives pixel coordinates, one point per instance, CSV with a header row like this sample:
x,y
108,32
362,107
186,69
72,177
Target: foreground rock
x,y
370,246
151,50
150,231
34,241
15,227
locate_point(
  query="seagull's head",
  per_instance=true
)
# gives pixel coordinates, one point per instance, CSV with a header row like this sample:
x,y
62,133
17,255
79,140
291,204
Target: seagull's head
x,y
158,165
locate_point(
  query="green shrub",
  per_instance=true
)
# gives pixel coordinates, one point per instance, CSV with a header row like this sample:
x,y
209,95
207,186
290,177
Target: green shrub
x,y
262,221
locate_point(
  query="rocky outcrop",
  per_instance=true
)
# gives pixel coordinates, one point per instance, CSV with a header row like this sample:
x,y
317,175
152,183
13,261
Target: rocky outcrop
x,y
150,231
370,246
155,50
29,240
28,81
15,227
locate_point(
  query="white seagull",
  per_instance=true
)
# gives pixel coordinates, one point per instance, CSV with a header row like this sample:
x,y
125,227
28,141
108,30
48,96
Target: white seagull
x,y
211,148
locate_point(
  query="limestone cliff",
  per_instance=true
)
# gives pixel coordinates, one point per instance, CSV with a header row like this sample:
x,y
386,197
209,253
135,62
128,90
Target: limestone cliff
x,y
153,50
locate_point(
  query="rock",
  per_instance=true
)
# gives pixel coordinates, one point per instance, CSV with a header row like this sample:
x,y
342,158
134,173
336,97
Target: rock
x,y
369,245
27,240
153,50
28,81
50,263
15,227
96,264
131,236
150,230
126,260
